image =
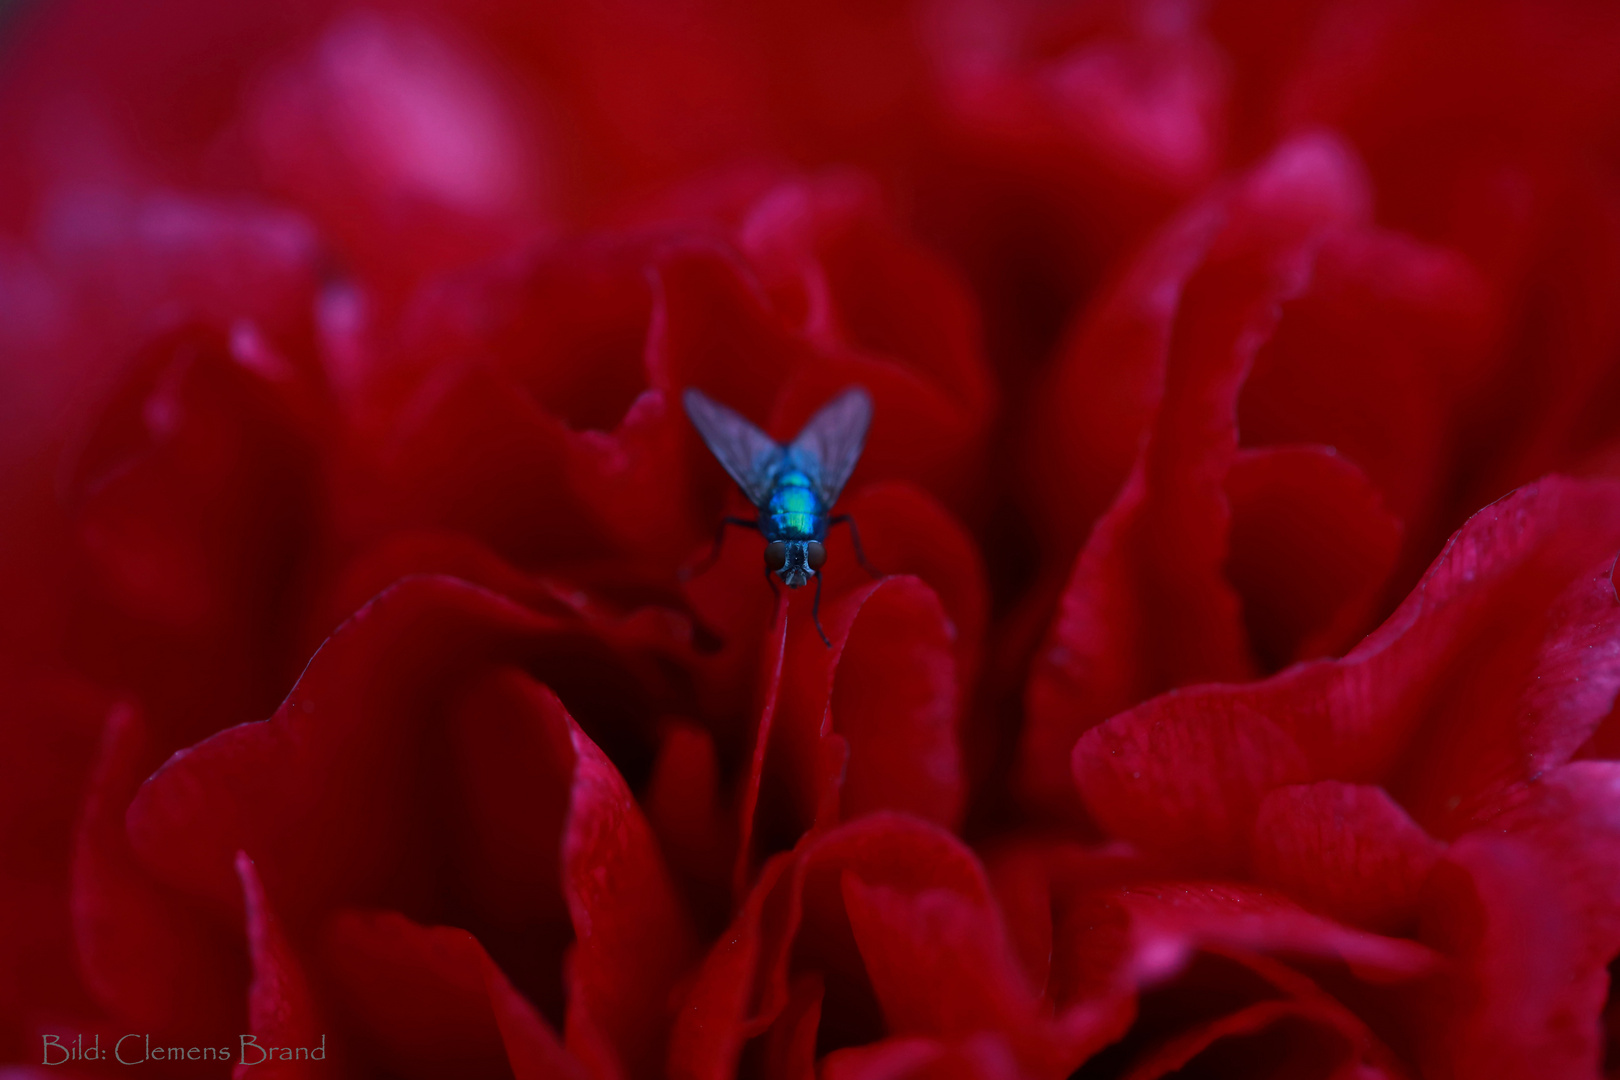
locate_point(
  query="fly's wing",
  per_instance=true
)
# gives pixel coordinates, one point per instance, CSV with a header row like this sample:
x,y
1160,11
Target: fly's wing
x,y
747,453
831,443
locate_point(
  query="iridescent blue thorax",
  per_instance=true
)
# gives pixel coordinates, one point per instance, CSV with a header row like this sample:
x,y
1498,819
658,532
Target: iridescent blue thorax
x,y
793,510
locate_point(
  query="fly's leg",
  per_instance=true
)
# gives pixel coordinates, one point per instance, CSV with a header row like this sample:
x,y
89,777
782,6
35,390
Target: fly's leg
x,y
855,535
815,614
690,572
770,579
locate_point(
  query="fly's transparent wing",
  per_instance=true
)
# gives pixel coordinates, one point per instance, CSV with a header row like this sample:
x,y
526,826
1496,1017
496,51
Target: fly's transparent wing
x,y
747,453
831,443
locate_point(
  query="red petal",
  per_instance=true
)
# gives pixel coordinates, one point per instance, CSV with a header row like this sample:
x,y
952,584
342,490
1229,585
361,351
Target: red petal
x,y
881,849
1542,682
937,961
408,553
476,455
194,498
329,797
1290,1038
1529,908
1312,548
1096,99
895,697
864,285
428,1000
557,395
714,329
865,907
1466,142
48,755
267,787
1182,784
227,262
940,965
1148,606
888,690
1494,641
105,81
1035,881
823,249
904,531
1068,133
1162,925
1348,851
632,937
983,1057
1513,90
568,323
743,985
694,828
263,787
633,609
147,954
772,658
405,143
280,1010
650,94
1193,956
790,1050
715,1011
1107,384
511,759
1375,360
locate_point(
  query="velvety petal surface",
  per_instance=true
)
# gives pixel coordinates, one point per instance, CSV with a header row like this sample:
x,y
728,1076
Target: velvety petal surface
x,y
1391,708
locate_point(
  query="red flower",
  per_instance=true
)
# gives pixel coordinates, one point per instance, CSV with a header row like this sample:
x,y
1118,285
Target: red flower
x,y
361,705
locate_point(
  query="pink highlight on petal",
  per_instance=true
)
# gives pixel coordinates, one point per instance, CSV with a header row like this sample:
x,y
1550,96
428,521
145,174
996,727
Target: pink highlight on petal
x,y
401,137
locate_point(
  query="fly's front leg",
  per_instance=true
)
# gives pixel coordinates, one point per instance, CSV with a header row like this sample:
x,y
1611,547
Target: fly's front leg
x,y
855,535
815,614
709,560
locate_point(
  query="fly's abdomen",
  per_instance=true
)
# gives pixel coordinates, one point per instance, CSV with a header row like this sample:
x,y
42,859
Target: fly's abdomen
x,y
794,510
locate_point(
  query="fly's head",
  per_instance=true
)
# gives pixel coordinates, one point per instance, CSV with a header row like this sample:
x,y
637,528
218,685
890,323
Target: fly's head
x,y
795,561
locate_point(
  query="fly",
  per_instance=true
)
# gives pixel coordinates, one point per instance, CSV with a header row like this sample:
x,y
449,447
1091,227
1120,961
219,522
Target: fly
x,y
793,487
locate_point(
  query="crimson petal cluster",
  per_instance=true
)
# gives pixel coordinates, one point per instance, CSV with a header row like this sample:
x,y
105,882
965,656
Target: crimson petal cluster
x,y
1242,697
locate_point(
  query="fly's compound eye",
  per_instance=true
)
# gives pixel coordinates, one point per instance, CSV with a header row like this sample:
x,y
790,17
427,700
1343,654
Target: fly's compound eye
x,y
815,555
775,555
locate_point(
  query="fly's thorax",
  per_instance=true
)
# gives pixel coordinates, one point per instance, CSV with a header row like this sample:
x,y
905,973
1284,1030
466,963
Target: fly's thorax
x,y
794,510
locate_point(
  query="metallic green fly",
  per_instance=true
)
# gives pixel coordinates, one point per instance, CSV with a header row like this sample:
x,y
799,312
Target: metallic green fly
x,y
793,487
